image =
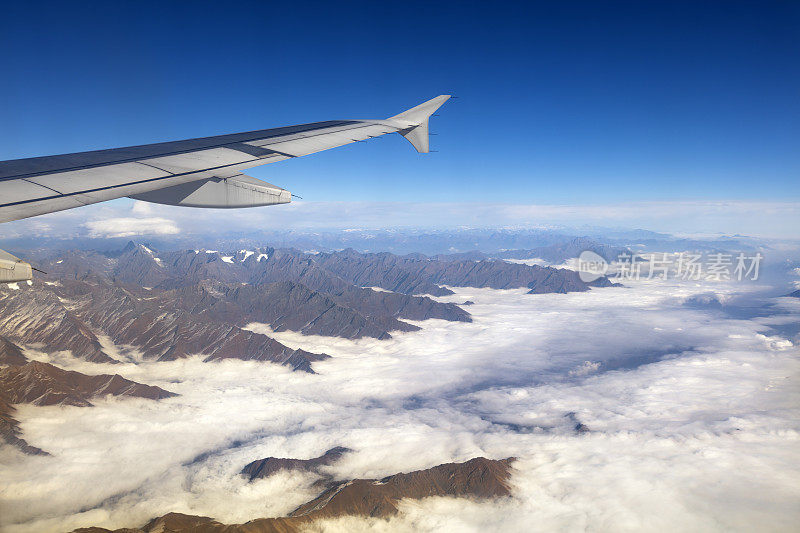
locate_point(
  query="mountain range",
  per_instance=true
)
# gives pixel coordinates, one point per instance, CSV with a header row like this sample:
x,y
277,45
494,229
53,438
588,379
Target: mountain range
x,y
137,304
478,478
39,383
263,468
165,306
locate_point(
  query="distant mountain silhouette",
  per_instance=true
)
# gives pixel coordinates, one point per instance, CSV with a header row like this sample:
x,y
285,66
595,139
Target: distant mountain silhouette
x,y
562,251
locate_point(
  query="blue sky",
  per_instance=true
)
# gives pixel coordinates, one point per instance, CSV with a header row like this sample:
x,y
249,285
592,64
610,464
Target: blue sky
x,y
579,103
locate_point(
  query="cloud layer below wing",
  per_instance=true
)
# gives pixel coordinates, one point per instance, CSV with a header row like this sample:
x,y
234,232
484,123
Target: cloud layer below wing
x,y
626,408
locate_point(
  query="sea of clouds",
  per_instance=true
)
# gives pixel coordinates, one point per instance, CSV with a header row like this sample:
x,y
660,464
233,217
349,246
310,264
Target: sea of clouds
x,y
692,416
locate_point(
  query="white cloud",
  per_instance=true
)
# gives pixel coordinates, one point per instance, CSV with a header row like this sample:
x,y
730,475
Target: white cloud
x,y
143,208
705,439
765,219
130,227
770,219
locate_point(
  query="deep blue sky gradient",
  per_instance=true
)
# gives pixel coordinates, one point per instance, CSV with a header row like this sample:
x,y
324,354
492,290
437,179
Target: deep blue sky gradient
x,y
559,102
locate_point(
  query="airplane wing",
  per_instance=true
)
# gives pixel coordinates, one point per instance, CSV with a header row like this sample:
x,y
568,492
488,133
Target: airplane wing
x,y
204,172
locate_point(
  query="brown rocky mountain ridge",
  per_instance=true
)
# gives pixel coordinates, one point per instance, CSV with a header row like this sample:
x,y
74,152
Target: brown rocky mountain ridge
x,y
10,353
478,478
9,429
40,383
169,305
70,314
263,468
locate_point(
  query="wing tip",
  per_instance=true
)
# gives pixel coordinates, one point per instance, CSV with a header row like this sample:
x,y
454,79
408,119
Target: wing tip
x,y
416,122
420,113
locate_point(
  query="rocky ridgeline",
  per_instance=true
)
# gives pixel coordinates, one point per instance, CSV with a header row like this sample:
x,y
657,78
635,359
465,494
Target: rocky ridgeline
x,y
478,478
174,304
38,383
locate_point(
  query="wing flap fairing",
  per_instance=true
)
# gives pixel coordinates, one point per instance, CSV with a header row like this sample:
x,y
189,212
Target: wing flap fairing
x,y
220,193
13,269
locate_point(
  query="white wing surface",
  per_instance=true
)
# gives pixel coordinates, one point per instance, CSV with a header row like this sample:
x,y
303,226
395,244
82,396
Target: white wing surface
x,y
204,172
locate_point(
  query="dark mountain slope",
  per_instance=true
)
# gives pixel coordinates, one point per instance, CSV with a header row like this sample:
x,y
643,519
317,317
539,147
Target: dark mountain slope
x,y
45,384
478,478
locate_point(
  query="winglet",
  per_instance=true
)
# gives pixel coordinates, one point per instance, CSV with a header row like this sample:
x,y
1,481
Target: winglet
x,y
415,121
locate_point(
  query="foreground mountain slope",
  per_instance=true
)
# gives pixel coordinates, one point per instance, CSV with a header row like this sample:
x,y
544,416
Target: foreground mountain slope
x,y
40,383
263,468
37,315
10,431
10,353
479,478
70,314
